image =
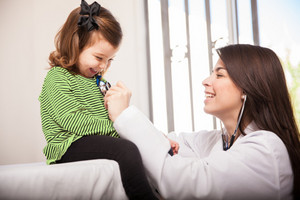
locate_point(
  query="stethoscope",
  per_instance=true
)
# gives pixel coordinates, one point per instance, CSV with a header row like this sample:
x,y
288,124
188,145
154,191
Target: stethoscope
x,y
103,85
227,146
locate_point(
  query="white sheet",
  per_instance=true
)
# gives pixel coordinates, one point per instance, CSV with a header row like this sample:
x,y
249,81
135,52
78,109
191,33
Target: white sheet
x,y
93,179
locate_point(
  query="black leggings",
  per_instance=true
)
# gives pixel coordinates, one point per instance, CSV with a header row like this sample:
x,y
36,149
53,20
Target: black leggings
x,y
124,152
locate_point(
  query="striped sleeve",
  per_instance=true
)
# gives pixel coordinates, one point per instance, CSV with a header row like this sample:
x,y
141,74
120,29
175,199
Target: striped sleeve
x,y
58,99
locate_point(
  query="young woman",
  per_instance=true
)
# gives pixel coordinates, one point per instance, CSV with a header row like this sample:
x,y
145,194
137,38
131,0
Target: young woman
x,y
74,120
255,156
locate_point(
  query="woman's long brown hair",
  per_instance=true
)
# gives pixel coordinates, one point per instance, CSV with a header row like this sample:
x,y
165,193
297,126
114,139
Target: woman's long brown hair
x,y
259,73
71,39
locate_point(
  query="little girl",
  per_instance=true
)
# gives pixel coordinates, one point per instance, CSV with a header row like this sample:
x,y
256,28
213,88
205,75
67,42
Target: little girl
x,y
74,120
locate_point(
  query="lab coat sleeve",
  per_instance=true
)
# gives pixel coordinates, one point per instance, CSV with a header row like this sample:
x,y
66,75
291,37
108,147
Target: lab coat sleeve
x,y
135,126
235,174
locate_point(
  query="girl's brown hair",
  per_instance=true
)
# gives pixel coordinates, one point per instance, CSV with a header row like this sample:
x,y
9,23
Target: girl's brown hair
x,y
259,73
71,39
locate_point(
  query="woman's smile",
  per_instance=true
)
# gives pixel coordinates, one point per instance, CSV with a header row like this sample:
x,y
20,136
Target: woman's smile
x,y
208,96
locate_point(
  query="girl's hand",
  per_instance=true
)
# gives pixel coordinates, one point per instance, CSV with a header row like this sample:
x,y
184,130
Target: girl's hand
x,y
174,146
116,100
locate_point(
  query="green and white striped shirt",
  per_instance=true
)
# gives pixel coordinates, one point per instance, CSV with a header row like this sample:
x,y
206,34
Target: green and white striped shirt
x,y
72,106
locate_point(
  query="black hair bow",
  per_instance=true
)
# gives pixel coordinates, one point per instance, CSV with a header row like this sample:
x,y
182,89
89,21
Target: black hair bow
x,y
87,12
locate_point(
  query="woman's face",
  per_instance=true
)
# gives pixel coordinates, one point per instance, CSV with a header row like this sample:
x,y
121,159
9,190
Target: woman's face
x,y
96,58
223,97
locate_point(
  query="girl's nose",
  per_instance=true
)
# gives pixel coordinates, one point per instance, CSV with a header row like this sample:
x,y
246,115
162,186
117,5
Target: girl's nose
x,y
102,66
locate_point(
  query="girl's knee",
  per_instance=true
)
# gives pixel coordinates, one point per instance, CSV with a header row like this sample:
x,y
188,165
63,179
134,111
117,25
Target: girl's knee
x,y
129,146
130,150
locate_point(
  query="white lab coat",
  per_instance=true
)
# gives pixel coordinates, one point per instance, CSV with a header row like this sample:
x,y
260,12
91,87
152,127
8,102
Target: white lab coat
x,y
257,166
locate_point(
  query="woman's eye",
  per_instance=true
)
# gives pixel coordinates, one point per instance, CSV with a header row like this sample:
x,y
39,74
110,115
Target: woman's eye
x,y
219,75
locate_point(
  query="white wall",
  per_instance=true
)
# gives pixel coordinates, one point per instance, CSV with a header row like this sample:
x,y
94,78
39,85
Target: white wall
x,y
27,35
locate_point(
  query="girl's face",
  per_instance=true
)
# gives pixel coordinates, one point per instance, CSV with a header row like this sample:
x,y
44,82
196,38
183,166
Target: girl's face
x,y
223,97
97,57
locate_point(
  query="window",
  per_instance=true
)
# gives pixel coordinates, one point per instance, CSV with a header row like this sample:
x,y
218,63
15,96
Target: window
x,y
279,29
182,37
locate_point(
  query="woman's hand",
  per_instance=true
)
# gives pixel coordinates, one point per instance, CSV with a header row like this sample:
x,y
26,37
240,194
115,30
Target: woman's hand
x,y
174,146
116,100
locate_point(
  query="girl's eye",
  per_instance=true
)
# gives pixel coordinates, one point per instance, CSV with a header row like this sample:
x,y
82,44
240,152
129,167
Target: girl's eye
x,y
99,58
219,75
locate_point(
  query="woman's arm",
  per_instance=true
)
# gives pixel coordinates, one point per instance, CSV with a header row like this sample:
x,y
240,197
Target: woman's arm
x,y
247,171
